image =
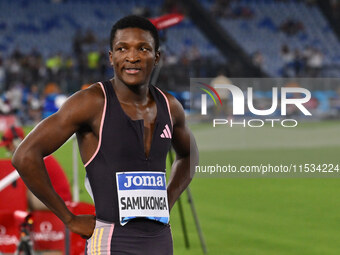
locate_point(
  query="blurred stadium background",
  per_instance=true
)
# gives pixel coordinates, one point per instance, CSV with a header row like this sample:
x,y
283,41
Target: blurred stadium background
x,y
50,49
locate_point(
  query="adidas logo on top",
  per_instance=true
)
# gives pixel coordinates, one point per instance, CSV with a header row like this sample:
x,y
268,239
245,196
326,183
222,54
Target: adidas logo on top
x,y
166,132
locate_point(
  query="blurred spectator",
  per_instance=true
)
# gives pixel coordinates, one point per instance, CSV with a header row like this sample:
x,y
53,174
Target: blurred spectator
x,y
14,95
307,53
258,59
299,64
13,67
11,139
103,63
307,63
78,50
17,55
314,62
77,43
93,58
5,107
194,58
34,66
34,105
292,27
68,67
89,37
288,58
54,64
51,95
51,88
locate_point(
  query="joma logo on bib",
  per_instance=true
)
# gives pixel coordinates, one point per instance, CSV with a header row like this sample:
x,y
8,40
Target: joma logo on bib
x,y
142,194
148,181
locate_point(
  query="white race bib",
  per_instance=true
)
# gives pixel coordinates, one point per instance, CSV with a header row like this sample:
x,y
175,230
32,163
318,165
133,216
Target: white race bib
x,y
142,194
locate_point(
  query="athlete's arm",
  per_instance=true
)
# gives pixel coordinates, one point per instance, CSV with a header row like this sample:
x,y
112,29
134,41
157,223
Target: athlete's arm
x,y
186,150
78,111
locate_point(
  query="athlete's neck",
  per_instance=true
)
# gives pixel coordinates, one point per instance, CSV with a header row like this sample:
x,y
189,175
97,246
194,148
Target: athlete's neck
x,y
130,94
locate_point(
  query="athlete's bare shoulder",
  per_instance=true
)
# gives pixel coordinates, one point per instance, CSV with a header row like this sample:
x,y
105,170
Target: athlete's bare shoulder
x,y
84,105
93,94
95,88
80,111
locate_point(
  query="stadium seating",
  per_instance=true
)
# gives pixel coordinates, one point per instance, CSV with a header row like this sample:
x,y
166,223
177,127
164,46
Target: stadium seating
x,y
262,33
50,27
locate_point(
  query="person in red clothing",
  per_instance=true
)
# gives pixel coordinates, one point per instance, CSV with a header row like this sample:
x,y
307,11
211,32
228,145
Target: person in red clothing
x,y
11,140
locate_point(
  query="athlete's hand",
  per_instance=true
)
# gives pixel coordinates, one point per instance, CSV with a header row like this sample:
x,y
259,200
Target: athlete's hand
x,y
82,225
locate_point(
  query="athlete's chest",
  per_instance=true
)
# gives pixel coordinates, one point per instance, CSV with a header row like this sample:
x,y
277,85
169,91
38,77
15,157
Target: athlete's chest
x,y
148,115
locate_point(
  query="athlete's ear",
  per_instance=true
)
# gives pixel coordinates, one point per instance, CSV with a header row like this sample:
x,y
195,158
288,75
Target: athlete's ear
x,y
157,57
110,57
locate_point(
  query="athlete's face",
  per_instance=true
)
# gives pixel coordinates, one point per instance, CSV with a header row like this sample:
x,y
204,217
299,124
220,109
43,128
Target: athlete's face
x,y
133,56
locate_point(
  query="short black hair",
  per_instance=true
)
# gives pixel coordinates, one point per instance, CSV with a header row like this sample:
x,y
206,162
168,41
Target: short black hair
x,y
134,21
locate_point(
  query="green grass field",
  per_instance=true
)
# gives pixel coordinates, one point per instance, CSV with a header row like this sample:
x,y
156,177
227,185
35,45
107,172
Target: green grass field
x,y
259,215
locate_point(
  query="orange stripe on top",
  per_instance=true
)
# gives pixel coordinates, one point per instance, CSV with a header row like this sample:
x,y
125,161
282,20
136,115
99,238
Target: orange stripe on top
x,y
167,103
101,127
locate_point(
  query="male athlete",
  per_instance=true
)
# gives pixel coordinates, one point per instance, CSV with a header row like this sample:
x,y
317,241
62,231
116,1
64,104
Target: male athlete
x,y
125,127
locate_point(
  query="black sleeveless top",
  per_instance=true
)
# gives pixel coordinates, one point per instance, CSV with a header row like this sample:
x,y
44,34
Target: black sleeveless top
x,y
121,149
